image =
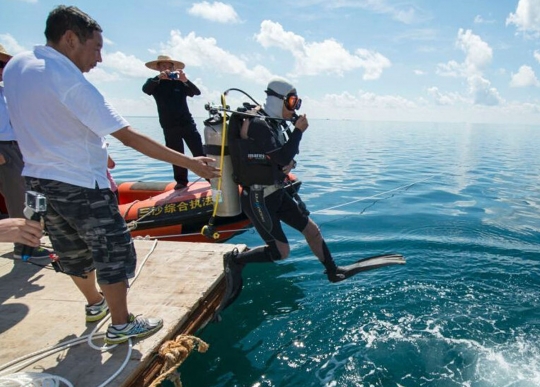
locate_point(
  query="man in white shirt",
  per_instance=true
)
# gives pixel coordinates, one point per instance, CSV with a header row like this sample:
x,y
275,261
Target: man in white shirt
x,y
62,140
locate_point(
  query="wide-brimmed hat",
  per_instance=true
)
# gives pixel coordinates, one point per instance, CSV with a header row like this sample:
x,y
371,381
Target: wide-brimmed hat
x,y
164,58
4,56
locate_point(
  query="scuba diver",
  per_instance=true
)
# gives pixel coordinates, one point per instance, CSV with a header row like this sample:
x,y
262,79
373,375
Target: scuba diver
x,y
262,156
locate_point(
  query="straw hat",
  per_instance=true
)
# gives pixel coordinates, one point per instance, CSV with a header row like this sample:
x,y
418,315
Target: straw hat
x,y
4,56
164,58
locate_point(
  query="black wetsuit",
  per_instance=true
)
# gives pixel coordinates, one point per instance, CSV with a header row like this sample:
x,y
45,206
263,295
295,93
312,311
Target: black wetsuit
x,y
175,118
267,137
258,161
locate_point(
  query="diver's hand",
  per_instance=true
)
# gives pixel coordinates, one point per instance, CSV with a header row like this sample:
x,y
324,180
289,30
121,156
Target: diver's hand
x,y
301,123
287,168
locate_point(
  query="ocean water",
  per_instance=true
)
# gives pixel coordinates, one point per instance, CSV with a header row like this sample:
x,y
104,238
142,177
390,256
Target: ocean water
x,y
461,202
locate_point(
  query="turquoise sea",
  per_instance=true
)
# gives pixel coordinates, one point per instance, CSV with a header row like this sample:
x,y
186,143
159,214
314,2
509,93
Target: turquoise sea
x,y
460,201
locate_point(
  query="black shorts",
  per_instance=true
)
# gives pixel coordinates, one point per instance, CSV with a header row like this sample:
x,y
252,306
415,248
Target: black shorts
x,y
281,207
87,230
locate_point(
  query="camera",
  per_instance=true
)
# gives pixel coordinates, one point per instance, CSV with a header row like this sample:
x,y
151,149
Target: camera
x,y
174,75
36,201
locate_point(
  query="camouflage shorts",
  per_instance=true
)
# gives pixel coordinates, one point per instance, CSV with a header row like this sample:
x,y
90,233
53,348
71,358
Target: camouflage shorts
x,y
87,230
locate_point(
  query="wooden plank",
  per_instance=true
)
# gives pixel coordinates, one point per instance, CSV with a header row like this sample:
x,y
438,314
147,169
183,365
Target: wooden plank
x,y
181,282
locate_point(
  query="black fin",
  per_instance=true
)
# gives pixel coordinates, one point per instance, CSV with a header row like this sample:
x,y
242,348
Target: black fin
x,y
365,264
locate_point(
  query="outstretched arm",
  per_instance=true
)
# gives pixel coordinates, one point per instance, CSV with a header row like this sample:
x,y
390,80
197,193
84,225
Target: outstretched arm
x,y
151,148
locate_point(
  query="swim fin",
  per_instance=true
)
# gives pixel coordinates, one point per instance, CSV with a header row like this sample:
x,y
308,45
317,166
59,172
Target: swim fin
x,y
343,272
233,282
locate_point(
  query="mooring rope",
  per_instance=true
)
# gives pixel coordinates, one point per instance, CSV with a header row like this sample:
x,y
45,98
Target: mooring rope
x,y
174,353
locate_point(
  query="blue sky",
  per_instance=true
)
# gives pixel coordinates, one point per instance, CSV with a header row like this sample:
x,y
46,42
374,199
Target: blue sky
x,y
408,60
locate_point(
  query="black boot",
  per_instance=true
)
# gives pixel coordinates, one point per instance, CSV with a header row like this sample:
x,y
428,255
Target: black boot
x,y
233,264
233,277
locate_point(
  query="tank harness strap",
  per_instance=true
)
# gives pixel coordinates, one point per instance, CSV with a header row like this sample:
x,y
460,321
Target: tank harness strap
x,y
267,189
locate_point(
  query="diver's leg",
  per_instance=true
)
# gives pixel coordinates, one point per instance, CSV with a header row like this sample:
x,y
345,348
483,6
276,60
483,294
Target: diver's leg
x,y
339,273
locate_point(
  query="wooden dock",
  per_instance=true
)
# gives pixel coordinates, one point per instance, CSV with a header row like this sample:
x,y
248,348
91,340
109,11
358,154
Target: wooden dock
x,y
39,308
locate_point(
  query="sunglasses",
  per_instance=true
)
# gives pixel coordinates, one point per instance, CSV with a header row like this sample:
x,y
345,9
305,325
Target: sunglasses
x,y
291,100
2,64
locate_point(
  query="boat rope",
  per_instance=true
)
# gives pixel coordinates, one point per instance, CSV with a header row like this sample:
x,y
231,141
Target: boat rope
x,y
26,360
175,352
135,223
33,379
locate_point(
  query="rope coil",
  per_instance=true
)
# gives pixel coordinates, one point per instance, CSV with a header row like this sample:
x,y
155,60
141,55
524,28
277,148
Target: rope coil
x,y
175,352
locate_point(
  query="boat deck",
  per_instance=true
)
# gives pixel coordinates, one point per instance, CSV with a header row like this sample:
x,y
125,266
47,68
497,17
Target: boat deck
x,y
39,308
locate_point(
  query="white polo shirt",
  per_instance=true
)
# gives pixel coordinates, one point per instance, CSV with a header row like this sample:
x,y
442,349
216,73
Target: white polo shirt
x,y
59,118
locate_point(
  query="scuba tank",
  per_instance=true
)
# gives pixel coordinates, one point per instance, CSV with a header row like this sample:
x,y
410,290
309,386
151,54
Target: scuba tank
x,y
226,193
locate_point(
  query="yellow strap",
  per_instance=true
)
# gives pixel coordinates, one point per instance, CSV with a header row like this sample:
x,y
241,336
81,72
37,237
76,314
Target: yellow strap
x,y
222,156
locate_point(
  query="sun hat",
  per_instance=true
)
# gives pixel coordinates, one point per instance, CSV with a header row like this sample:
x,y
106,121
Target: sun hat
x,y
4,56
164,58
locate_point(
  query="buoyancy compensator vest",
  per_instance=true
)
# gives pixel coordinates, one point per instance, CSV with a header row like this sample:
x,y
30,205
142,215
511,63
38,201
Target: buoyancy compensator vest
x,y
251,165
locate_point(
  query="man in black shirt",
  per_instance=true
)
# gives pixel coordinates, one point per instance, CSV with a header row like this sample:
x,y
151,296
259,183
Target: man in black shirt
x,y
170,88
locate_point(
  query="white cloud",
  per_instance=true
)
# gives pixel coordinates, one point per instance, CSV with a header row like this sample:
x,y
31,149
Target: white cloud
x,y
527,17
419,72
537,55
326,57
478,54
482,93
450,69
107,41
524,77
403,13
10,44
216,11
444,99
367,100
127,65
480,20
100,75
205,53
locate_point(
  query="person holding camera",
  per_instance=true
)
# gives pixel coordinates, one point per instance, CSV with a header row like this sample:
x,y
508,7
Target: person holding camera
x,y
170,88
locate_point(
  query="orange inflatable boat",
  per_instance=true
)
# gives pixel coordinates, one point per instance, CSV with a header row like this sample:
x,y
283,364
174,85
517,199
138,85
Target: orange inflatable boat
x,y
157,211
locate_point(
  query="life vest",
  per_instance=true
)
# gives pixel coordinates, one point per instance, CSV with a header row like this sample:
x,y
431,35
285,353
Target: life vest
x,y
250,164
